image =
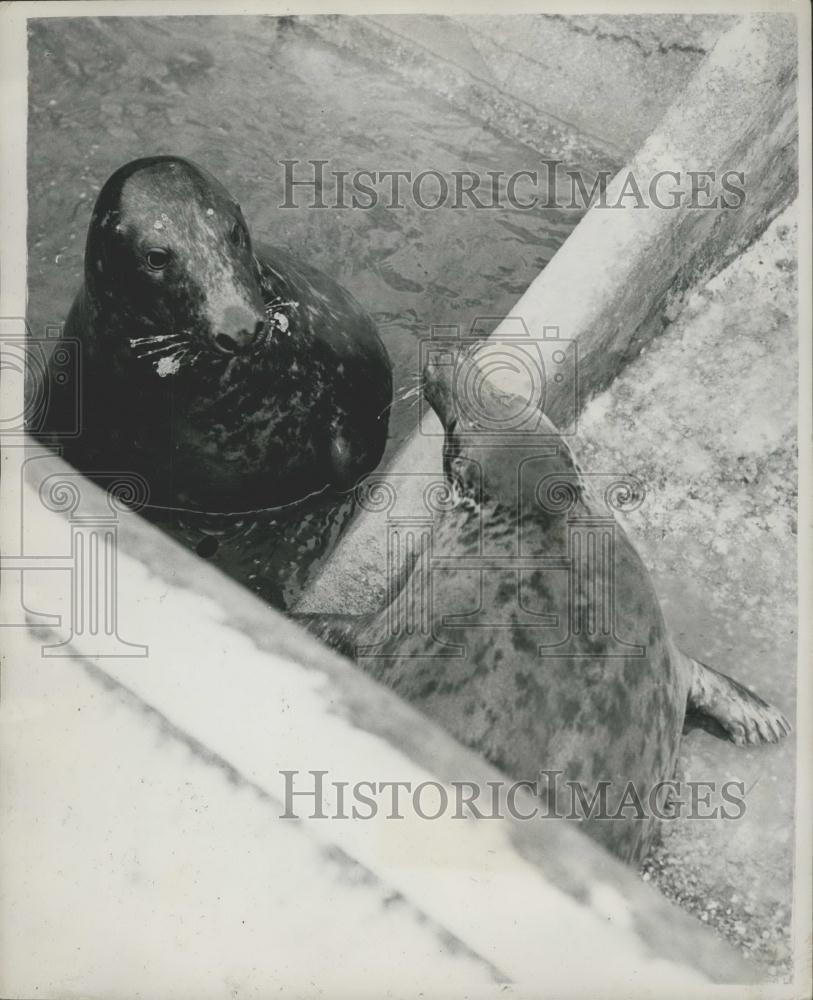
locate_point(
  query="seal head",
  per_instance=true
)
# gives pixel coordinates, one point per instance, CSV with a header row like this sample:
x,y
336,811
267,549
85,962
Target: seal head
x,y
232,377
168,248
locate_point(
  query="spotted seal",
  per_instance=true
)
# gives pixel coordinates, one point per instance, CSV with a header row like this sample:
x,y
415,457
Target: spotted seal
x,y
528,626
232,377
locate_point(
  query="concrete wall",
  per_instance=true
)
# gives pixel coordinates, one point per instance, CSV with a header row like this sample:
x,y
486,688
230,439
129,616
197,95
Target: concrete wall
x,y
143,795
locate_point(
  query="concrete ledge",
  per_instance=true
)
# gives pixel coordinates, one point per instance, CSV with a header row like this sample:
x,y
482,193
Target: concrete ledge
x,y
142,801
612,77
442,55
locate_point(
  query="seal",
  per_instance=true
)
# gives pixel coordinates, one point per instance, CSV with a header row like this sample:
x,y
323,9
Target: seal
x,y
231,377
528,626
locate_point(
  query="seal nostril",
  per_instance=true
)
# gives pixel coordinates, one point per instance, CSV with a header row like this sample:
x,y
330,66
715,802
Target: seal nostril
x,y
224,343
259,326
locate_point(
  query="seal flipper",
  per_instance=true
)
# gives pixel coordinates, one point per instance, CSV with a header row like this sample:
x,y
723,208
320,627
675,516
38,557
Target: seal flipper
x,y
744,716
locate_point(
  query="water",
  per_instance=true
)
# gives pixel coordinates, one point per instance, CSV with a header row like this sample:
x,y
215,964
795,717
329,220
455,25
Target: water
x,y
239,94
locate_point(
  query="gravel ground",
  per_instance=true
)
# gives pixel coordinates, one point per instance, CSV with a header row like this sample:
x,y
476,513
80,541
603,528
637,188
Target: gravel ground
x,y
760,930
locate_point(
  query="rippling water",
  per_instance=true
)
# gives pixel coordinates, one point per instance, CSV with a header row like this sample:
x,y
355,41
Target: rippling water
x,y
239,94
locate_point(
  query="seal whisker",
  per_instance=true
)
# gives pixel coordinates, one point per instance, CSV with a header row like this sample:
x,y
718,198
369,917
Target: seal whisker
x,y
278,303
404,394
156,344
387,408
415,390
158,351
156,338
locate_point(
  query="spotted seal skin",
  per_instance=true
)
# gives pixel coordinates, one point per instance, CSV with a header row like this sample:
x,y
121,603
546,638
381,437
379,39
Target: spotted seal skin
x,y
603,713
234,378
230,377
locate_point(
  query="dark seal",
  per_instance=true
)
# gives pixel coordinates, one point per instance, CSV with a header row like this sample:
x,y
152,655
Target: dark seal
x,y
527,625
232,377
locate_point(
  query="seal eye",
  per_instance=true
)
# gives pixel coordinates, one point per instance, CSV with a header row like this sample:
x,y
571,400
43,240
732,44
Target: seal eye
x,y
238,235
157,259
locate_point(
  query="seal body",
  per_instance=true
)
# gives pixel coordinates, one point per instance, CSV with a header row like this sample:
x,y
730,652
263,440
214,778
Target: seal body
x,y
247,389
231,377
528,626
